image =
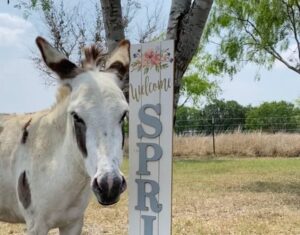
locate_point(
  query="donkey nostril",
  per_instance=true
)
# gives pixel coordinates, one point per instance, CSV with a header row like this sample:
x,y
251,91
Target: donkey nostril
x,y
123,185
96,186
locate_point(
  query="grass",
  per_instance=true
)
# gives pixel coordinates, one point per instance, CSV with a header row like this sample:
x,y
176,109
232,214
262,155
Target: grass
x,y
216,196
238,144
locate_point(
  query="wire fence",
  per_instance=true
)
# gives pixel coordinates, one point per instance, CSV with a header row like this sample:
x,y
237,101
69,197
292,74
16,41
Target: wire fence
x,y
217,127
212,126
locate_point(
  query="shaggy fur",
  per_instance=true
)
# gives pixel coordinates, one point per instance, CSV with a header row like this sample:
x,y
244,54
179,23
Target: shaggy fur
x,y
45,181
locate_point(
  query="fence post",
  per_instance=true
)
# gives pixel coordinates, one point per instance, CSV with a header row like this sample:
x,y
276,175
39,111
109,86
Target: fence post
x,y
213,134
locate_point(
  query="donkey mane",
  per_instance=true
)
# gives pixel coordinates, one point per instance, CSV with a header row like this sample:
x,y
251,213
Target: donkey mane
x,y
94,57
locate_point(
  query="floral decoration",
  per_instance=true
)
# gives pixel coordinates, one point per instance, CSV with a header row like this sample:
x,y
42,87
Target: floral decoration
x,y
151,59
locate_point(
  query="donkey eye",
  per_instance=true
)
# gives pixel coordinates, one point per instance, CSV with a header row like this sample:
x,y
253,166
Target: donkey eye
x,y
80,132
77,118
123,116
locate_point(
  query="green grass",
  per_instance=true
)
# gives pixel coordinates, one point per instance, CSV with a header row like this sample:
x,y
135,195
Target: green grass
x,y
217,196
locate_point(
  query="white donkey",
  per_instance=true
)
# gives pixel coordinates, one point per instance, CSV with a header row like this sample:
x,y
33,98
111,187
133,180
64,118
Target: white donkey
x,y
50,160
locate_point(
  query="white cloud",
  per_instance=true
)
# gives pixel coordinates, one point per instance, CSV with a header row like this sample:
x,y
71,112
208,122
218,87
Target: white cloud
x,y
19,78
13,29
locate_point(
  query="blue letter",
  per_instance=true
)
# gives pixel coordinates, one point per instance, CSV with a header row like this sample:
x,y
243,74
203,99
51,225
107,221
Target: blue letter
x,y
142,195
148,224
143,159
150,121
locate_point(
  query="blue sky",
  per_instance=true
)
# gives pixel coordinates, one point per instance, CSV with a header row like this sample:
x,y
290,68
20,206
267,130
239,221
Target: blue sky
x,y
23,90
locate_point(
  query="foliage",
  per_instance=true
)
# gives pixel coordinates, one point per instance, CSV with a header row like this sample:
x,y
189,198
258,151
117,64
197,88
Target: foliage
x,y
193,88
297,103
225,115
273,117
228,116
259,32
196,84
187,119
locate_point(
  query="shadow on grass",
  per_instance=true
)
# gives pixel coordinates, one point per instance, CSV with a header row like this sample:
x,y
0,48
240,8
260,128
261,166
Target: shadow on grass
x,y
273,187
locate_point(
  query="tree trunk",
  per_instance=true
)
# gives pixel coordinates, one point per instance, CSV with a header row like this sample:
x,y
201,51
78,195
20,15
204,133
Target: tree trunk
x,y
113,22
186,24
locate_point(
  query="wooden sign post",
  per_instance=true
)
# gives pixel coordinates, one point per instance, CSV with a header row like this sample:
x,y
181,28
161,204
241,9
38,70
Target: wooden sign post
x,y
150,138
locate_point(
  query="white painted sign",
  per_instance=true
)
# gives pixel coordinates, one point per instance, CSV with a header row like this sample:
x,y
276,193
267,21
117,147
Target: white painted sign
x,y
150,138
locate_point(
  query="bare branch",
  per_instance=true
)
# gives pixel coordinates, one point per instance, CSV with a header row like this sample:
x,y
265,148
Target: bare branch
x,y
43,69
152,23
69,32
129,11
61,27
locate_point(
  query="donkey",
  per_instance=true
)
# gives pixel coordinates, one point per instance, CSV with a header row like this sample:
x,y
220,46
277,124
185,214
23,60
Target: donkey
x,y
50,160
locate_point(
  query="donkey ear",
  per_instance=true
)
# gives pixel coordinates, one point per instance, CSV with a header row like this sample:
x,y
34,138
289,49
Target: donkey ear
x,y
119,59
56,61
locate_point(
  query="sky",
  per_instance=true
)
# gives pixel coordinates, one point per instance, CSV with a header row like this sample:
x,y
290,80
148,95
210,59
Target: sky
x,y
23,90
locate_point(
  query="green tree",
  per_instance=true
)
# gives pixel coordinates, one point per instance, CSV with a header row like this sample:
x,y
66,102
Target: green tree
x,y
297,103
193,88
227,115
273,117
256,31
187,119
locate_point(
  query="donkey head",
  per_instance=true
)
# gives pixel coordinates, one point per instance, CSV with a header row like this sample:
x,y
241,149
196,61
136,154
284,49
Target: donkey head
x,y
96,110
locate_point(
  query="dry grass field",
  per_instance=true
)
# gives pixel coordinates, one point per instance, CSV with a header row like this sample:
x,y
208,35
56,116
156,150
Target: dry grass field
x,y
216,196
239,144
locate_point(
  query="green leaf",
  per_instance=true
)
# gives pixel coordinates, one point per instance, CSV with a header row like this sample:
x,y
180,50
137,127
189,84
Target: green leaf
x,y
146,70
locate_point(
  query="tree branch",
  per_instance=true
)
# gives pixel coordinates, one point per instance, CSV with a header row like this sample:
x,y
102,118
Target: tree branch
x,y
293,22
273,52
298,6
270,49
184,102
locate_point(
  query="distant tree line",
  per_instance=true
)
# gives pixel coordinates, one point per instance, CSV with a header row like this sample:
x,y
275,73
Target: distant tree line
x,y
229,116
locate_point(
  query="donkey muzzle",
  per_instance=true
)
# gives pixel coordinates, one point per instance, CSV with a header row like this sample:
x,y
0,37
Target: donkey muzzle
x,y
108,188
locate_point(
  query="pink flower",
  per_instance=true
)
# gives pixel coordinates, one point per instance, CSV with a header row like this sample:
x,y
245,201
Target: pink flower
x,y
149,54
155,59
150,57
